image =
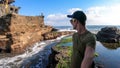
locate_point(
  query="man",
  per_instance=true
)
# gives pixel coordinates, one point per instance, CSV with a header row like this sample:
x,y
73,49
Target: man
x,y
83,42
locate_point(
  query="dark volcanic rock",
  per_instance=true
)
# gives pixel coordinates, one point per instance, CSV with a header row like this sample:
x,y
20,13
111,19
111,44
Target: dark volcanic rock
x,y
109,35
52,61
60,55
55,29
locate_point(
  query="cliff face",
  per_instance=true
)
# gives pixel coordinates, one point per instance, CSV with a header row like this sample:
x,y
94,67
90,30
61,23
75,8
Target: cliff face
x,y
18,32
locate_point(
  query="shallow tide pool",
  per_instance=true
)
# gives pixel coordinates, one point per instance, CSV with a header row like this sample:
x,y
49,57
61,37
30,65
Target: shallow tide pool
x,y
108,54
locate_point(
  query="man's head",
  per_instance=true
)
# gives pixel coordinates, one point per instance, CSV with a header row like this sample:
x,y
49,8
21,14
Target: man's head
x,y
80,16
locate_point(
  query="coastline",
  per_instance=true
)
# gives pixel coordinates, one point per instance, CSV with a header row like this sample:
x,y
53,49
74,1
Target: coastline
x,y
35,56
34,53
38,52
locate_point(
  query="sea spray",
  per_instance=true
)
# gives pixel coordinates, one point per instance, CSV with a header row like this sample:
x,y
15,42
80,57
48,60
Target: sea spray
x,y
41,50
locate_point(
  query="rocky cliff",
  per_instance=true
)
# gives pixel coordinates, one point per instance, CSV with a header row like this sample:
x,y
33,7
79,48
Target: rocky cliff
x,y
18,32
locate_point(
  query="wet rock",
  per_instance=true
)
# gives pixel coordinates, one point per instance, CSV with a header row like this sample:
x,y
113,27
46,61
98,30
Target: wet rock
x,y
59,55
52,61
54,29
109,35
51,35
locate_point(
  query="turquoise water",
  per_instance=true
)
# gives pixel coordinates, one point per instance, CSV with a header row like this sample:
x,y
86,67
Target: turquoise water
x,y
109,58
68,44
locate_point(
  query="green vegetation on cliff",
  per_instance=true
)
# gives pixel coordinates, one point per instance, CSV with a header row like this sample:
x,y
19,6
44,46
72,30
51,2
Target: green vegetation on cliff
x,y
64,41
64,56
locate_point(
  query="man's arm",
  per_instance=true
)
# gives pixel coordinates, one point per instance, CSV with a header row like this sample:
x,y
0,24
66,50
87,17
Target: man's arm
x,y
88,57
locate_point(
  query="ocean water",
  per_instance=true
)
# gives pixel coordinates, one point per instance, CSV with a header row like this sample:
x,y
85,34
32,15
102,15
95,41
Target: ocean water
x,y
39,51
42,50
108,57
89,27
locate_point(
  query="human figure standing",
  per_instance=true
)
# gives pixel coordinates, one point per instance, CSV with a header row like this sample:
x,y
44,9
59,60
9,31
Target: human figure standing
x,y
83,42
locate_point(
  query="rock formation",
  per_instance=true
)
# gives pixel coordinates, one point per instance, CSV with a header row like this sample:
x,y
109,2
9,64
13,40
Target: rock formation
x,y
6,7
18,32
109,34
59,57
55,34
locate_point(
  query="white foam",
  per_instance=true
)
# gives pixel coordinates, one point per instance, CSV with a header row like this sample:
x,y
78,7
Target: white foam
x,y
66,30
38,47
42,43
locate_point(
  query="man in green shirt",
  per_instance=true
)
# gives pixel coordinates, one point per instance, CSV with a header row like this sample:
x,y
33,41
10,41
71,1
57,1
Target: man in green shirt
x,y
83,42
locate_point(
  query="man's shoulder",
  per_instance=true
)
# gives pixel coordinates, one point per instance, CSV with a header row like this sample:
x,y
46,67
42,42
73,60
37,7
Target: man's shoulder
x,y
90,35
90,40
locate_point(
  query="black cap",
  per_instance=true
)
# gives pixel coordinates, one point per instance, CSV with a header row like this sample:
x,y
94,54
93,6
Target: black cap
x,y
79,15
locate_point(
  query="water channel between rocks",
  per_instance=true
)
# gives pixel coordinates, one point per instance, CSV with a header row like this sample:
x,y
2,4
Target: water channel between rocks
x,y
108,54
38,54
34,57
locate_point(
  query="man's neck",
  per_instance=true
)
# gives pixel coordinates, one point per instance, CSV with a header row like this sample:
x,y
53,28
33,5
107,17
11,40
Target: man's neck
x,y
82,31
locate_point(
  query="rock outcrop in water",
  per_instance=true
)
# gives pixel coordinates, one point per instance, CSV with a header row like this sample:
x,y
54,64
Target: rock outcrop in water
x,y
109,35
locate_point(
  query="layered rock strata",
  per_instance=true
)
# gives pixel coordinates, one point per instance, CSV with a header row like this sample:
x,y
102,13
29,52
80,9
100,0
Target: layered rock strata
x,y
18,32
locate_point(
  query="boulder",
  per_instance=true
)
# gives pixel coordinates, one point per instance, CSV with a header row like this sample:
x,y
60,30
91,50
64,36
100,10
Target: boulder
x,y
59,55
109,35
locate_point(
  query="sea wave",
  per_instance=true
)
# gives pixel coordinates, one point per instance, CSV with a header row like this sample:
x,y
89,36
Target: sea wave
x,y
60,30
93,31
40,50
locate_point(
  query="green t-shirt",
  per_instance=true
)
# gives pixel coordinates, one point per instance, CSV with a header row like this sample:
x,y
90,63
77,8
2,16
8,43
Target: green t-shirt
x,y
79,45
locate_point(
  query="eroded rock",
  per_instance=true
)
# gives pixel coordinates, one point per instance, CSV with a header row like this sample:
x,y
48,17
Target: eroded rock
x,y
109,34
18,32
